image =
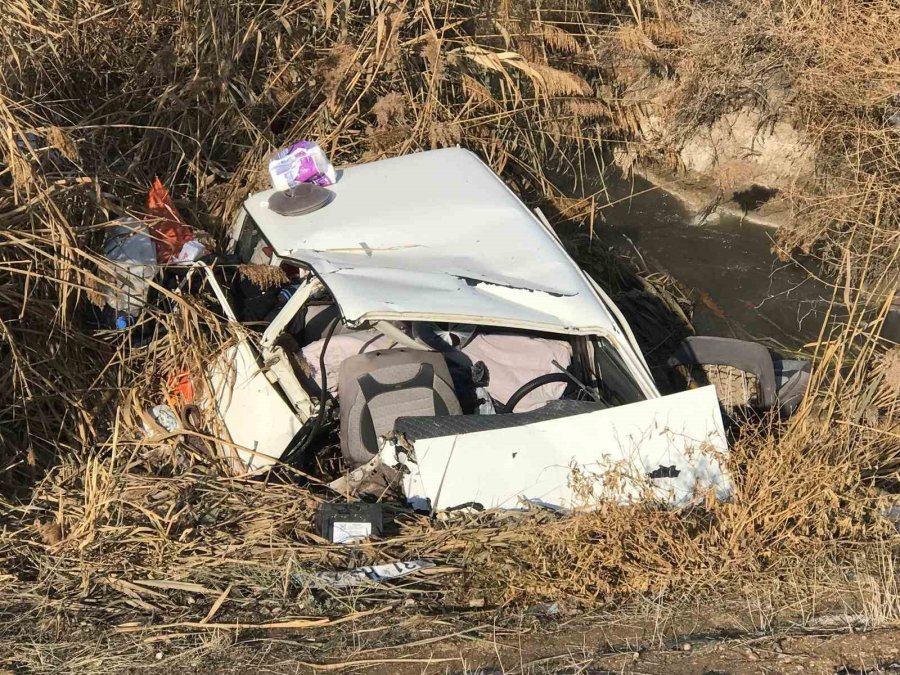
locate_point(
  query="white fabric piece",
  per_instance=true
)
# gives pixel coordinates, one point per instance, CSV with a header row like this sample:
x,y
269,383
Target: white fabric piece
x,y
340,348
513,360
130,249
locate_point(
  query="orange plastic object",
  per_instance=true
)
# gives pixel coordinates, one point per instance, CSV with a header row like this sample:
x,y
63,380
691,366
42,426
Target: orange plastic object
x,y
167,225
181,385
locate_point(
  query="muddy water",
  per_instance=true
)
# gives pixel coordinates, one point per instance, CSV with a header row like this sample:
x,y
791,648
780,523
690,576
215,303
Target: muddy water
x,y
742,290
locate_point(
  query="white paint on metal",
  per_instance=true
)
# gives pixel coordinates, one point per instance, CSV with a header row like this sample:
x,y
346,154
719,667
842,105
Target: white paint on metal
x,y
574,462
291,308
436,234
258,420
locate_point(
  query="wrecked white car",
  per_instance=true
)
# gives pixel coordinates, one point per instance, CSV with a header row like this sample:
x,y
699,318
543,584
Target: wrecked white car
x,y
443,327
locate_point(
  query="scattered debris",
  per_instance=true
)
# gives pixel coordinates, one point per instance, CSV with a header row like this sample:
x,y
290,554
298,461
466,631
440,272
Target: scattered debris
x,y
371,574
547,609
350,523
131,251
169,229
191,251
164,417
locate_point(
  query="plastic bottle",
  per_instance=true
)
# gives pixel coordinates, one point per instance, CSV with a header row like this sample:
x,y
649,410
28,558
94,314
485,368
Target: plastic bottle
x,y
132,255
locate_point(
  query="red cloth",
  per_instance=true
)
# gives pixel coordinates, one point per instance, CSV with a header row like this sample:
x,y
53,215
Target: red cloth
x,y
180,384
167,226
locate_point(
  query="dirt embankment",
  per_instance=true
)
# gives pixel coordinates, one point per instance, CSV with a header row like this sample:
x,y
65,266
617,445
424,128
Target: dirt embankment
x,y
777,110
748,160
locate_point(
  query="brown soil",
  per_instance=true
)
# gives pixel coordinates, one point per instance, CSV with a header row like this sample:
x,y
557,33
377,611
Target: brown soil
x,y
580,647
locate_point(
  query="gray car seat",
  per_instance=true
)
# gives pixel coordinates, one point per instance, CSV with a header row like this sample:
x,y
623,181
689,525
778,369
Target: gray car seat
x,y
748,357
376,388
779,383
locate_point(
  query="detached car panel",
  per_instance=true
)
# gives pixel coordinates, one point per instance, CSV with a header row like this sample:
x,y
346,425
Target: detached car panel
x,y
568,459
260,424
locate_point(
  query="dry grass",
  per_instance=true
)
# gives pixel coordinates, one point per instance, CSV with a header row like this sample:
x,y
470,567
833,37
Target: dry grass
x,y
101,525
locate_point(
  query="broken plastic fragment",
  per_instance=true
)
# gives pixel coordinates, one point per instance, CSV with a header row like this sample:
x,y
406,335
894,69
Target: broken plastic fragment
x,y
371,574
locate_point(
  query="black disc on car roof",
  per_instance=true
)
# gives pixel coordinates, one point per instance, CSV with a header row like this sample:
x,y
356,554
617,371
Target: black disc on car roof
x,y
299,200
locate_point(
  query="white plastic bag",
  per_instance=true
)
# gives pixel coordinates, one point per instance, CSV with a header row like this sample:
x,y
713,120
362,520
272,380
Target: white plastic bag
x,y
302,162
130,249
191,251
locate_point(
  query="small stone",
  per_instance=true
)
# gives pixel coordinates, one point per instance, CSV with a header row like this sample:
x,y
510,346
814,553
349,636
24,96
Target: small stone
x,y
159,656
686,647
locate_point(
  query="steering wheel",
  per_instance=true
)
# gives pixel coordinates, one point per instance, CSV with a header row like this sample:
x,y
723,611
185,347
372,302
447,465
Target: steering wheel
x,y
530,386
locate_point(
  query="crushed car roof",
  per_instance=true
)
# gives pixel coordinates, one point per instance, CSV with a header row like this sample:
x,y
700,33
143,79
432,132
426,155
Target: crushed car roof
x,y
437,236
